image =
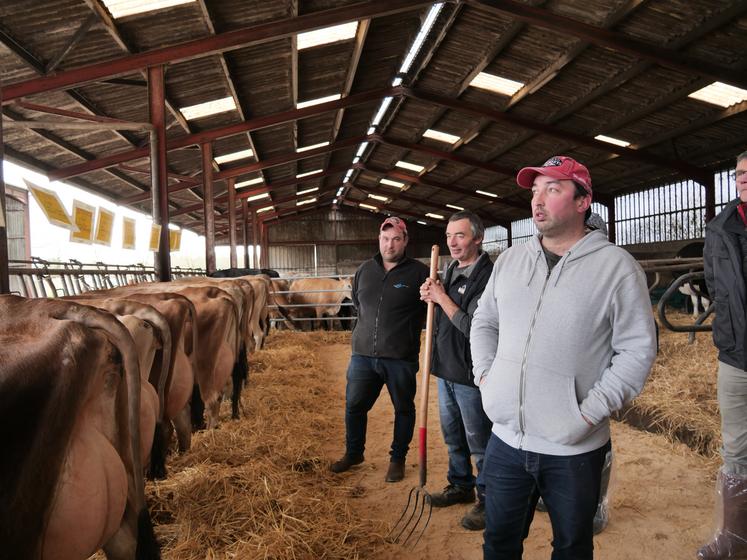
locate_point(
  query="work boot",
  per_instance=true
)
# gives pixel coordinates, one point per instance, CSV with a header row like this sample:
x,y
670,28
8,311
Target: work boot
x,y
395,472
731,538
345,463
474,519
453,494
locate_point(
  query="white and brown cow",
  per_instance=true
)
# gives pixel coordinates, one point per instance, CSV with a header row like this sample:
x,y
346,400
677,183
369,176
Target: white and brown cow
x,y
319,298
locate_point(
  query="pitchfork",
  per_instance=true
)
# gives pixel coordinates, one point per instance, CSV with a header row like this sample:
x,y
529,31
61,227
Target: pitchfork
x,y
419,506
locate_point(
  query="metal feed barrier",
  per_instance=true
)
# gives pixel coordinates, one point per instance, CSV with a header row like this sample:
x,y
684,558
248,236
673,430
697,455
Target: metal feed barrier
x,y
290,279
40,278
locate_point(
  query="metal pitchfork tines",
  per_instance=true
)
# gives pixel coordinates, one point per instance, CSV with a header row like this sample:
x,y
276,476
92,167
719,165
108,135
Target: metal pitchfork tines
x,y
419,506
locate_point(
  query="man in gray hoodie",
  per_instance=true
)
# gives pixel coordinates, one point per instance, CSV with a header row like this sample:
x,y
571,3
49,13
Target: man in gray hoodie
x,y
563,336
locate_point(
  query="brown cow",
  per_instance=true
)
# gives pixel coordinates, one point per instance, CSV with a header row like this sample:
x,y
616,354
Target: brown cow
x,y
70,417
320,298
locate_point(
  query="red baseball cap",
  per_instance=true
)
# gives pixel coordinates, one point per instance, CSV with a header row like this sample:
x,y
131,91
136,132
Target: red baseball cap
x,y
396,223
557,167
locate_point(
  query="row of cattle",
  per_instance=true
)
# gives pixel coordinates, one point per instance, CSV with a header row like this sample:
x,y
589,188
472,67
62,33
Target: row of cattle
x,y
94,387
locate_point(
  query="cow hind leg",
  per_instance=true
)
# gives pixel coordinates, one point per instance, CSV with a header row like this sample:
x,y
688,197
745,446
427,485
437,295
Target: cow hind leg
x,y
183,427
157,468
239,377
147,545
197,408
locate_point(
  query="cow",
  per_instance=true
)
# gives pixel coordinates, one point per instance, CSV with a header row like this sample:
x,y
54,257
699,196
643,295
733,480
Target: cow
x,y
152,336
697,290
320,298
70,416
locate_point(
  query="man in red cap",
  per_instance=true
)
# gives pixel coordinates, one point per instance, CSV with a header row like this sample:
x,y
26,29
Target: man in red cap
x,y
725,260
386,345
563,336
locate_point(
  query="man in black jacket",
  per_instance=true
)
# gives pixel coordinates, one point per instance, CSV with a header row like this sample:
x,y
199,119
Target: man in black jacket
x,y
465,427
386,344
725,262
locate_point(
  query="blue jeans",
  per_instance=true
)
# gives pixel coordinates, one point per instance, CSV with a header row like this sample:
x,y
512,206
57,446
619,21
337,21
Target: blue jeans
x,y
569,486
365,378
466,431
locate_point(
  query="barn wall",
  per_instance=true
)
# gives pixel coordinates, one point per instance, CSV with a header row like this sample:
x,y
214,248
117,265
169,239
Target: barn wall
x,y
334,242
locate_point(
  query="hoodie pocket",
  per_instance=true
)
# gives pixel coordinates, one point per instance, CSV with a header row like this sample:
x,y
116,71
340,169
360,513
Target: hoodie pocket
x,y
551,411
500,393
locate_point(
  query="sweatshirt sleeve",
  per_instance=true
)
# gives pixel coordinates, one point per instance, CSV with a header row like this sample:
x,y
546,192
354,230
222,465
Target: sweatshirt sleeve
x,y
633,346
484,330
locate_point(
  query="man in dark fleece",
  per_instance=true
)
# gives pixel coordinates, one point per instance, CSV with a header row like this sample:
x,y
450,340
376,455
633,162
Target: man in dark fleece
x,y
563,336
386,344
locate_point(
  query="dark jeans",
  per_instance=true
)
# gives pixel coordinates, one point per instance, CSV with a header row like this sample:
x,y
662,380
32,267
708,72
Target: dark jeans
x,y
366,376
569,486
466,431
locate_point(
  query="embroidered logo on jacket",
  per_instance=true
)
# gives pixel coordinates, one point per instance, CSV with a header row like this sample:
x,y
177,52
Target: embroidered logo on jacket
x,y
401,285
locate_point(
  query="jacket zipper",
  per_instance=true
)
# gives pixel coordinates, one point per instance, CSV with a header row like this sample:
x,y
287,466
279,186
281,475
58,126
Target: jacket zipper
x,y
522,378
378,309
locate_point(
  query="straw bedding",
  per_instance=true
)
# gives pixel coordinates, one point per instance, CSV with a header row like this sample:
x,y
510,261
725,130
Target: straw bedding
x,y
258,487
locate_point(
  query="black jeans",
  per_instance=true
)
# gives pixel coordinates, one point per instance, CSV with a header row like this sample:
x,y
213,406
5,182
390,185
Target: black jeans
x,y
365,378
514,481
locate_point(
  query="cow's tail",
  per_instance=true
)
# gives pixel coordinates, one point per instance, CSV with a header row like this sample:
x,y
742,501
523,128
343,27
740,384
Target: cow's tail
x,y
197,409
157,468
239,375
147,545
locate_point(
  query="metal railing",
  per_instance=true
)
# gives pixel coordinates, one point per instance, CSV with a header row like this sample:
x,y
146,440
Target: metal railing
x,y
41,278
291,306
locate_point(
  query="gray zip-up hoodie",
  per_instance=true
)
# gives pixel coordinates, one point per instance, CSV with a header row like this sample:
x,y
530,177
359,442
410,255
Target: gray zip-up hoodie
x,y
548,349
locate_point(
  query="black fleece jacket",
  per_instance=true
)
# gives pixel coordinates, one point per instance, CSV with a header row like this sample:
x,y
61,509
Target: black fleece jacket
x,y
452,359
725,261
390,313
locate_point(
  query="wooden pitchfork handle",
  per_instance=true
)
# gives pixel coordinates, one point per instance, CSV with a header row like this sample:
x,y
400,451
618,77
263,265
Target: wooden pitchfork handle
x,y
425,378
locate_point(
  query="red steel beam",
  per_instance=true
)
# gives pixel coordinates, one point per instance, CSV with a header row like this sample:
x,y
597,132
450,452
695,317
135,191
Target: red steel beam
x,y
232,220
222,132
222,42
209,216
159,177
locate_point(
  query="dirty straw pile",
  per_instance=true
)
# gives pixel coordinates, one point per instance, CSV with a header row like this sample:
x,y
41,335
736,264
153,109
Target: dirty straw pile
x,y
258,488
679,398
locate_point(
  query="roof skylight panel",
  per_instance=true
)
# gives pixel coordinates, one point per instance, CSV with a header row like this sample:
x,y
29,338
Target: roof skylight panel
x,y
307,201
391,183
241,154
611,140
432,215
317,101
455,207
307,173
485,193
124,8
208,108
333,34
378,197
312,146
721,94
265,209
410,166
258,197
368,206
441,136
307,191
249,182
496,84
